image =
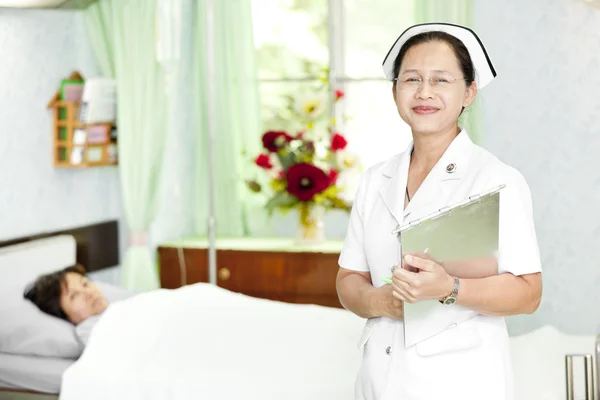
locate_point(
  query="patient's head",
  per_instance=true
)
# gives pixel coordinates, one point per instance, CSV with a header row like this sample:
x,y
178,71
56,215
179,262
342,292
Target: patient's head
x,y
67,294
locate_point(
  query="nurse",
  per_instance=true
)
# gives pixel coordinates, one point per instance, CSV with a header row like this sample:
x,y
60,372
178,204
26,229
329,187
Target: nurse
x,y
460,349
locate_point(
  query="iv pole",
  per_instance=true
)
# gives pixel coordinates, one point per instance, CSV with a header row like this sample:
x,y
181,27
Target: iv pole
x,y
212,253
169,15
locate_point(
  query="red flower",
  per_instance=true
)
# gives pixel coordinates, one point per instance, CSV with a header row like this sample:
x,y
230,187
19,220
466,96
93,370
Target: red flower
x,y
263,161
333,175
338,142
339,93
273,140
305,181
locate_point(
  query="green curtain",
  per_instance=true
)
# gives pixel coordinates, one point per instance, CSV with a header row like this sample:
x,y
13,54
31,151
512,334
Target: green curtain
x,y
123,36
98,18
236,113
458,12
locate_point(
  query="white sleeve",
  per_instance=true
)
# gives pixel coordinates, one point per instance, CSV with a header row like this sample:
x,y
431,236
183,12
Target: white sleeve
x,y
518,251
353,254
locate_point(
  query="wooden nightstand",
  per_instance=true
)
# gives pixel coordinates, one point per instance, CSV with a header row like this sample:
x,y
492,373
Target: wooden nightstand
x,y
274,269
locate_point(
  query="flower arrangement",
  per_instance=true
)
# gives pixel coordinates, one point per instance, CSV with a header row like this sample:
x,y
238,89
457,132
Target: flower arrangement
x,y
303,170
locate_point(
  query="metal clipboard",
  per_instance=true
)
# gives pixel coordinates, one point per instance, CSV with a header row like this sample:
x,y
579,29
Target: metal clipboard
x,y
465,231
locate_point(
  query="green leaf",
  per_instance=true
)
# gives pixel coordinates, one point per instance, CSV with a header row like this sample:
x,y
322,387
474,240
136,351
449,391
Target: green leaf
x,y
281,200
286,159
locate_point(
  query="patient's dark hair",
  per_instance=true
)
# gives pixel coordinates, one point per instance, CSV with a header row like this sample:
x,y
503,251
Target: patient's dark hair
x,y
45,291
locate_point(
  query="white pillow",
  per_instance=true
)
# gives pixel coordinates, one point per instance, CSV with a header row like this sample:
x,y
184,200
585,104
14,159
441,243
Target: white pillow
x,y
26,330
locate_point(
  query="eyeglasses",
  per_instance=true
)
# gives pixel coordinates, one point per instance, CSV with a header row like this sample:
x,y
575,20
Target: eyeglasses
x,y
437,83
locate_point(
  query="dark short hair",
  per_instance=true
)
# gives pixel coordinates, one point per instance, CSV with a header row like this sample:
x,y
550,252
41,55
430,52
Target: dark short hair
x,y
460,51
45,291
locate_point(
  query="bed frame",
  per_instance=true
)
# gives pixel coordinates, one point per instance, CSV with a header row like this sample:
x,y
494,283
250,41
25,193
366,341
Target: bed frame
x,y
97,249
97,244
15,394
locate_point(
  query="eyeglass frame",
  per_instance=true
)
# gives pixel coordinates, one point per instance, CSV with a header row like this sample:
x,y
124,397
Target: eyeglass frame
x,y
433,86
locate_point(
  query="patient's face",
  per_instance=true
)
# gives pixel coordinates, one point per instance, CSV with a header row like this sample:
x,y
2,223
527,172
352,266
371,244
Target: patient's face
x,y
80,298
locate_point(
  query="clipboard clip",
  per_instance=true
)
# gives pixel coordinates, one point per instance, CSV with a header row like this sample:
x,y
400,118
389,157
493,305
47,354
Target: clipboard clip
x,y
411,224
475,198
442,211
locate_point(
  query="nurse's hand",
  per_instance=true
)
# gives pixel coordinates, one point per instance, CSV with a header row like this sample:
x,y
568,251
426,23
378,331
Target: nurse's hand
x,y
385,304
429,282
422,255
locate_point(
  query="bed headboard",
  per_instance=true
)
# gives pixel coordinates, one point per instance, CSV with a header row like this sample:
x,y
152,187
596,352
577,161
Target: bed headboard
x,y
97,245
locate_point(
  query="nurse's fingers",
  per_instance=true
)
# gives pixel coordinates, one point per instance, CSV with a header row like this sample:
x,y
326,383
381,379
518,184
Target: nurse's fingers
x,y
405,297
404,274
407,267
404,290
421,263
414,288
420,254
398,284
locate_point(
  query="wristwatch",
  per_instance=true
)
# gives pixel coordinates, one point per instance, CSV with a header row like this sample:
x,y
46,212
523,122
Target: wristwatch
x,y
451,298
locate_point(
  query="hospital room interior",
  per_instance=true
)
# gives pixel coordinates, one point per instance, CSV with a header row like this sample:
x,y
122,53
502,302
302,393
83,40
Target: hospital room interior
x,y
191,167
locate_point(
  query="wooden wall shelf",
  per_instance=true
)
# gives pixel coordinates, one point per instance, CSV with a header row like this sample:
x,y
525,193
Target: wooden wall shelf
x,y
80,145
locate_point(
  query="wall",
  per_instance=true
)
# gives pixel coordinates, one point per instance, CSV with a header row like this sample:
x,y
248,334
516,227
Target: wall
x,y
38,48
540,116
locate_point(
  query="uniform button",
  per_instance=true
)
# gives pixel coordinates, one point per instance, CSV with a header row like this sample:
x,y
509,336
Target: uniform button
x,y
388,350
450,168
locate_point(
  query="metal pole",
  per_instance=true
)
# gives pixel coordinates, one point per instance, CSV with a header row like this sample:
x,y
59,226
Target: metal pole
x,y
589,377
210,84
588,374
332,31
569,374
597,353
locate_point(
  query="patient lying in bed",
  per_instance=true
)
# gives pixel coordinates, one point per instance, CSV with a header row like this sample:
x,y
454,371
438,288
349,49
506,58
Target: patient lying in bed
x,y
69,294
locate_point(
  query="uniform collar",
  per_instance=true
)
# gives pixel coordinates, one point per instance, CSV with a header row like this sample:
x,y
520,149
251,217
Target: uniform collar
x,y
446,174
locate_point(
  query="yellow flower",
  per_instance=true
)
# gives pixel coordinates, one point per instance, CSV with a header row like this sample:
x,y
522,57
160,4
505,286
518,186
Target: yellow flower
x,y
310,106
347,159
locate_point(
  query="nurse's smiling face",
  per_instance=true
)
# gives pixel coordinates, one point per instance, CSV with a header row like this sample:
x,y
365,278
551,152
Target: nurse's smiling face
x,y
431,91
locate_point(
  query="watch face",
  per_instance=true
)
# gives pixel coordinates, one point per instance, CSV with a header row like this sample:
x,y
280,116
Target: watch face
x,y
450,300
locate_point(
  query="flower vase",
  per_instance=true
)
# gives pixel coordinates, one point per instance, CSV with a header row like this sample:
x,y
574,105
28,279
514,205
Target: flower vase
x,y
311,225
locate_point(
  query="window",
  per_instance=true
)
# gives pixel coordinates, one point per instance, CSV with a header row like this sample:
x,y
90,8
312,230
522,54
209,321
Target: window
x,y
291,38
300,41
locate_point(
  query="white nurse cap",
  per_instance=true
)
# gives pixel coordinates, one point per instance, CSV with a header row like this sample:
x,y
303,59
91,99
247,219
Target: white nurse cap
x,y
484,70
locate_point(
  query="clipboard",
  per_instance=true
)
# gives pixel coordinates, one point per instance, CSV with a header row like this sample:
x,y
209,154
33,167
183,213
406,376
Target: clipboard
x,y
464,234
466,229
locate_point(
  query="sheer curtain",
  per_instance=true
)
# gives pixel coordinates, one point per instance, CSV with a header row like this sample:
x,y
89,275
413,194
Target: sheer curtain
x,y
123,36
236,113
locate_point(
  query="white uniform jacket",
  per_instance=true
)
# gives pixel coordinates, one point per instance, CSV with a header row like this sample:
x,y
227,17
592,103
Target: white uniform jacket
x,y
469,359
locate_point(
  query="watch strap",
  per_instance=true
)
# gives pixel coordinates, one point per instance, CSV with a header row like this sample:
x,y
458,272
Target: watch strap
x,y
454,293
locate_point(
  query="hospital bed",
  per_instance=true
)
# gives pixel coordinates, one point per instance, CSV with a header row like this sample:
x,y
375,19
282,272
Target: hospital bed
x,y
32,359
36,367
39,354
36,349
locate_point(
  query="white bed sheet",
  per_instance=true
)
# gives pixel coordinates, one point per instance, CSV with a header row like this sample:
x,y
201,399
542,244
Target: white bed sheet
x,y
39,374
204,342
